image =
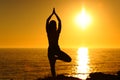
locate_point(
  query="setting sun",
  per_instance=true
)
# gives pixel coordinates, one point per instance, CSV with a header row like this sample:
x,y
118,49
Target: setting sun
x,y
83,19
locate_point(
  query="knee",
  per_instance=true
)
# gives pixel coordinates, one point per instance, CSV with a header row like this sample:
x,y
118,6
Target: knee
x,y
69,59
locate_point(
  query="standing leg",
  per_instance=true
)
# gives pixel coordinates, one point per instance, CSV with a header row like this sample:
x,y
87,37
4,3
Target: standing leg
x,y
52,61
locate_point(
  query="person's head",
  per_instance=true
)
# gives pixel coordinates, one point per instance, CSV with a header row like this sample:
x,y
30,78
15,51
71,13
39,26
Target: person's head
x,y
52,25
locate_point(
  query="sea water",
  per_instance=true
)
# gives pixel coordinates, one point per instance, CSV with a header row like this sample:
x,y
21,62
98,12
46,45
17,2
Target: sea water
x,y
30,64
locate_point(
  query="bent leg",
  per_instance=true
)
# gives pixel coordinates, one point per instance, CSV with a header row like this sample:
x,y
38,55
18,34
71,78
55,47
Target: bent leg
x,y
64,57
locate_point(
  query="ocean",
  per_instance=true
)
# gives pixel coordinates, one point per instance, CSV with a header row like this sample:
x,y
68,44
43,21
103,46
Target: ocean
x,y
30,64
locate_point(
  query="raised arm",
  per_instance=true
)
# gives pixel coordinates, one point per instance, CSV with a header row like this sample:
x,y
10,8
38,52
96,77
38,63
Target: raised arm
x,y
47,21
59,21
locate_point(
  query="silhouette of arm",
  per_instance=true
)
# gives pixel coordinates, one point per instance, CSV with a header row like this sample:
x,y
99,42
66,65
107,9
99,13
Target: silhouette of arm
x,y
59,21
47,22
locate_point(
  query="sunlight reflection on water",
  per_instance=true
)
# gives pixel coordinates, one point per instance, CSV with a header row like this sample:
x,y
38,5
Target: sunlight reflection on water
x,y
82,62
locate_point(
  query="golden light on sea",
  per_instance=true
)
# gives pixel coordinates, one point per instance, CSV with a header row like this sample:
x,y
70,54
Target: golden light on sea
x,y
83,61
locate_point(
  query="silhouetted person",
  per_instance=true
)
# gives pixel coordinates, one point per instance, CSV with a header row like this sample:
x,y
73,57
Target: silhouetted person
x,y
54,51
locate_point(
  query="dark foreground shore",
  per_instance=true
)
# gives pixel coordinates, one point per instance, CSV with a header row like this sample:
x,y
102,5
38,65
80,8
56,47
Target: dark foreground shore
x,y
60,77
102,76
92,76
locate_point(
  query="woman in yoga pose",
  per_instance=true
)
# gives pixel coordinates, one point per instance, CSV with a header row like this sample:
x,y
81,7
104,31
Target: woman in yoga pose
x,y
54,52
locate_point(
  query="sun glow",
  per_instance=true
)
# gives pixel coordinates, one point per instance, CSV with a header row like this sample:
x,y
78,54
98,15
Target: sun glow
x,y
83,19
82,61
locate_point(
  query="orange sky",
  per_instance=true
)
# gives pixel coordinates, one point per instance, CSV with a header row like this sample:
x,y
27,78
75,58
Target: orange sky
x,y
22,23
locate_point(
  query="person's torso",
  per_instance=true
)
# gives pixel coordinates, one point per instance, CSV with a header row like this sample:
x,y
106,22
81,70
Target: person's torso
x,y
53,38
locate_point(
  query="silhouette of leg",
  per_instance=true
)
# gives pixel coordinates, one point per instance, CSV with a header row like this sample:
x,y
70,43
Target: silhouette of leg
x,y
64,57
52,61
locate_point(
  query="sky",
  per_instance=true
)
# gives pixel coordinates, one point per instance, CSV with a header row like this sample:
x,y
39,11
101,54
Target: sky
x,y
22,23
